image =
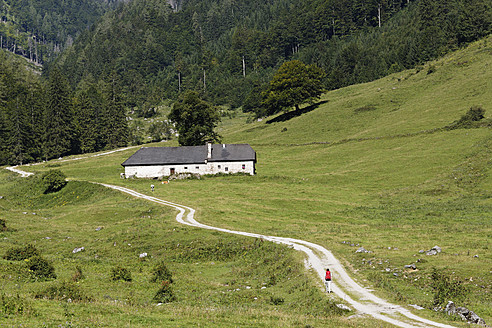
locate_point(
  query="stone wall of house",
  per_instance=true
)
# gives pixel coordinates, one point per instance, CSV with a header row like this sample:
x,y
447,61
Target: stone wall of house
x,y
156,171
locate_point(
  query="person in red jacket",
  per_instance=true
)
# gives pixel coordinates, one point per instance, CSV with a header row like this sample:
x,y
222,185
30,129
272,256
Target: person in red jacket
x,y
328,281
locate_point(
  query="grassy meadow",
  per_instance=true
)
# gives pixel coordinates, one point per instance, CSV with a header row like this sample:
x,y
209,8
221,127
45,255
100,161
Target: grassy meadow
x,y
370,165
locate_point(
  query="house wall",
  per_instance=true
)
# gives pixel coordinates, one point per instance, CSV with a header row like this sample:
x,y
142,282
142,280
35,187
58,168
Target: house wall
x,y
155,171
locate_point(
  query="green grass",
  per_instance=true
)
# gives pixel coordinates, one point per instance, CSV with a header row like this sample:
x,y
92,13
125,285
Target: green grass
x,y
371,166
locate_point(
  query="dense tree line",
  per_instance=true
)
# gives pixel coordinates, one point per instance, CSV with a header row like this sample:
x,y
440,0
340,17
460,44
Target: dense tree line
x,y
40,29
42,119
228,49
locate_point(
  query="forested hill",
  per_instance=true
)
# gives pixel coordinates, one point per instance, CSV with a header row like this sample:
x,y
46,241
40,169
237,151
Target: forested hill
x,y
226,48
41,29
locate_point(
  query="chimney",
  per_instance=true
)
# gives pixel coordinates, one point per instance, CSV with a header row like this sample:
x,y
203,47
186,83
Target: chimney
x,y
209,150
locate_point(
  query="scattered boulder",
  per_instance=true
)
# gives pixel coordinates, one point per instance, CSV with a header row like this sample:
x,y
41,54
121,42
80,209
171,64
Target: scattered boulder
x,y
416,307
343,307
434,251
362,250
143,255
78,249
450,308
411,266
464,313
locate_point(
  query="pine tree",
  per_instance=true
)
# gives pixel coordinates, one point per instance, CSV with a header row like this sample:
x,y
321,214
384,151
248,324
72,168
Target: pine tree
x,y
85,129
114,118
58,129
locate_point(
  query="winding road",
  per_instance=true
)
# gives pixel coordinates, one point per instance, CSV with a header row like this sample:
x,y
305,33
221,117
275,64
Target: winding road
x,y
318,258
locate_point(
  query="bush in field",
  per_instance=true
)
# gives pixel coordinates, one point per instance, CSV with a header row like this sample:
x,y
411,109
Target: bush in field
x,y
78,275
161,273
469,119
165,294
41,268
64,291
21,253
53,181
446,288
3,225
14,305
120,273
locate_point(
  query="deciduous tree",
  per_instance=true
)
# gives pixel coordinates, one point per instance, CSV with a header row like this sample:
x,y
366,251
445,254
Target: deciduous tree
x,y
195,120
294,84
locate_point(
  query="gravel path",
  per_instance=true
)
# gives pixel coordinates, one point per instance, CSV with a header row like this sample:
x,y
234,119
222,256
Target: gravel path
x,y
318,258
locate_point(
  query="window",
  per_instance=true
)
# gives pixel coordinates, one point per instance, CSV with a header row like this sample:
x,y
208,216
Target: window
x,y
186,167
218,166
197,167
244,166
226,169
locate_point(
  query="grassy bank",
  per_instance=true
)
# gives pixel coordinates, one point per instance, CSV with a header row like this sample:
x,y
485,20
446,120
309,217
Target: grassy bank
x,y
372,166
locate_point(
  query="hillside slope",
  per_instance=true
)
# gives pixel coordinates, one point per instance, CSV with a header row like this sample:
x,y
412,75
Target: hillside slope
x,y
429,97
370,167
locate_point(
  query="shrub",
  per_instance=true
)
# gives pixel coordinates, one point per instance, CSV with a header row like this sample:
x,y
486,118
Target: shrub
x,y
14,305
78,275
41,268
21,253
161,273
120,273
53,181
366,108
446,288
3,225
165,294
469,119
276,300
64,291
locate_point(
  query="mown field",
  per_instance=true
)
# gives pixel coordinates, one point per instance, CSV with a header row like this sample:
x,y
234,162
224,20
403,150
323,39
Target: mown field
x,y
372,165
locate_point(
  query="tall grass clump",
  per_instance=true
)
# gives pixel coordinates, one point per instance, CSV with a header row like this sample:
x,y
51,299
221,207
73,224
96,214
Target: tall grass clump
x,y
447,288
63,291
14,305
161,273
40,268
21,253
121,273
3,225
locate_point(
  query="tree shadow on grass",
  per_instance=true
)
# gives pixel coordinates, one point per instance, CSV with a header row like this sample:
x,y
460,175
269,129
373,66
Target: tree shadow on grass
x,y
295,113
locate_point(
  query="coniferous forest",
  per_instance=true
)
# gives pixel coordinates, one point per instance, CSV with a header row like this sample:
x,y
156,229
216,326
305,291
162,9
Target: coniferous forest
x,y
103,59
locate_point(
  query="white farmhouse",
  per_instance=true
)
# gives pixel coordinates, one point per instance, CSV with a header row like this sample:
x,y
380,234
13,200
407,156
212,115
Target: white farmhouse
x,y
154,162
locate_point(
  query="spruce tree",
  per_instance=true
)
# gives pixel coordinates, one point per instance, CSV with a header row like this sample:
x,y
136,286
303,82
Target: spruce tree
x,y
85,138
58,117
114,118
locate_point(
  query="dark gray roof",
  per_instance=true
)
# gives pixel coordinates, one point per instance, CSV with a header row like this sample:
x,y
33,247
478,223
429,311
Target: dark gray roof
x,y
191,155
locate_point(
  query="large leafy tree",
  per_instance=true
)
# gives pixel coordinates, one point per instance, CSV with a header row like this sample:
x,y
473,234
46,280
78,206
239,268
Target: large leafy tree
x,y
195,120
293,85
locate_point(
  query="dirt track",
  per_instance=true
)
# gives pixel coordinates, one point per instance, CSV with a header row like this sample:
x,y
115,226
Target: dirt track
x,y
318,258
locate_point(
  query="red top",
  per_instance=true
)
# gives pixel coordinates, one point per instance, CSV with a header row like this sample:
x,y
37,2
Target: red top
x,y
328,275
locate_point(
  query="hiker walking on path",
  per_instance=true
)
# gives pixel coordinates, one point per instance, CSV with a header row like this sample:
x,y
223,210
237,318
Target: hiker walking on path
x,y
328,281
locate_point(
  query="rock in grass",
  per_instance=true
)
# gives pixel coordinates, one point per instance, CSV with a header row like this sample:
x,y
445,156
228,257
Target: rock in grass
x,y
450,308
78,249
362,250
434,251
344,307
